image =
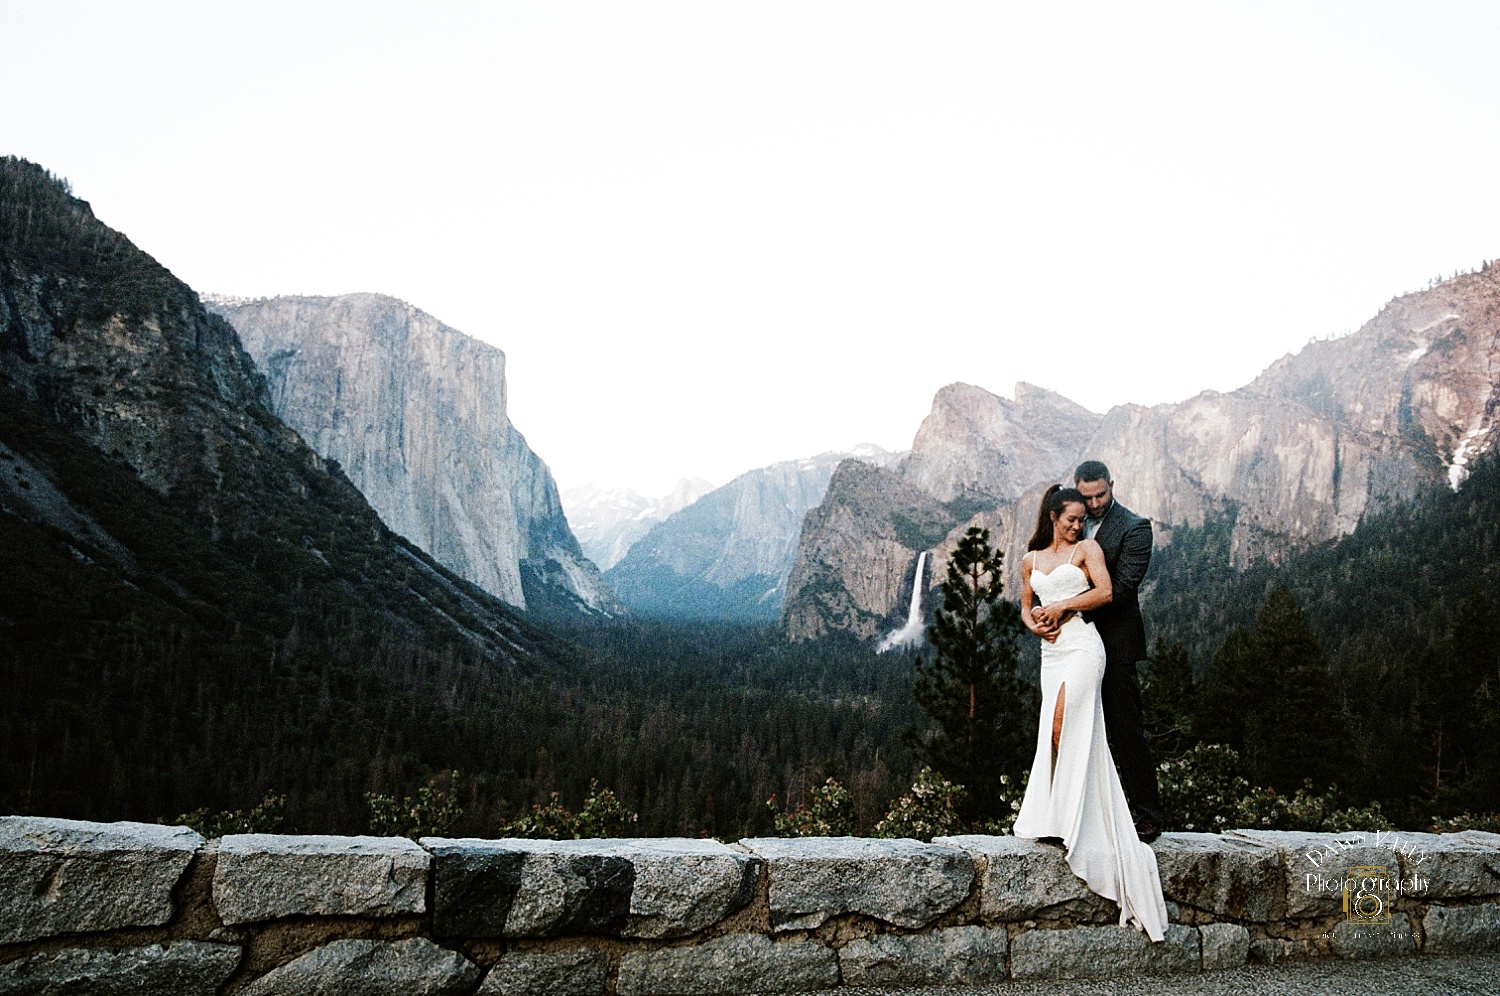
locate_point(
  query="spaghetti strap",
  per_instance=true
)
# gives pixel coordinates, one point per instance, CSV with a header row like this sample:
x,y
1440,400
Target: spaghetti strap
x,y
1074,553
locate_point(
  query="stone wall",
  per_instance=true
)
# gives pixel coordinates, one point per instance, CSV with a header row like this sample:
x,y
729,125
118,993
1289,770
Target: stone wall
x,y
129,907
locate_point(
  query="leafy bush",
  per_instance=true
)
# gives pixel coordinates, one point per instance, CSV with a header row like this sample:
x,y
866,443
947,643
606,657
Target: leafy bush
x,y
930,809
431,813
265,817
602,815
830,815
1304,809
1202,790
1012,791
1205,791
1488,822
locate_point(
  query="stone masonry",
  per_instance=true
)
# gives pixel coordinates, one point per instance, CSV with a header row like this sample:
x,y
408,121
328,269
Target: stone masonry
x,y
128,907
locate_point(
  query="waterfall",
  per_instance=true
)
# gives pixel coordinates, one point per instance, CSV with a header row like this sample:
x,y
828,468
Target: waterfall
x,y
912,631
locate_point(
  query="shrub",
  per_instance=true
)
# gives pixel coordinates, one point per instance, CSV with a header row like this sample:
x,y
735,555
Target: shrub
x,y
265,817
1202,790
602,815
1012,791
1264,809
1489,822
830,815
930,809
431,813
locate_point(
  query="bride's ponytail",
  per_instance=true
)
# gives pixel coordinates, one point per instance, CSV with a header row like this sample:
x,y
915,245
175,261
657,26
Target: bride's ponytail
x,y
1042,538
1054,501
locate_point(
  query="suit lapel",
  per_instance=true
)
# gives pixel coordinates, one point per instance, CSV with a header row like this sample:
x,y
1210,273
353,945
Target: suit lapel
x,y
1106,537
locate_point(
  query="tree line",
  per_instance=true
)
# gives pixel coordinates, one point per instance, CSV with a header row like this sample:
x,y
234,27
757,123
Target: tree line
x,y
1366,666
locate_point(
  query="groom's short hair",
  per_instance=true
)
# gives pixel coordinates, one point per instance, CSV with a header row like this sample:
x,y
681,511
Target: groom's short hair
x,y
1091,470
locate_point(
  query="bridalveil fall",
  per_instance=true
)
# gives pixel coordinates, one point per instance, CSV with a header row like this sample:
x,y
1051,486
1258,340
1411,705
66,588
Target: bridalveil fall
x,y
912,632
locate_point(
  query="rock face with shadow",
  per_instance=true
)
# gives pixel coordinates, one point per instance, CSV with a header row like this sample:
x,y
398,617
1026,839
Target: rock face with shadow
x,y
415,413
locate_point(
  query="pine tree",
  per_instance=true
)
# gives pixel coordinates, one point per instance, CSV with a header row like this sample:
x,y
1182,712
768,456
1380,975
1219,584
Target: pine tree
x,y
1228,692
984,715
1299,729
1457,710
1167,699
1269,694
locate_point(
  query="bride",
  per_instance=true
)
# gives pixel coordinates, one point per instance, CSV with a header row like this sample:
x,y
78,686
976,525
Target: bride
x,y
1074,792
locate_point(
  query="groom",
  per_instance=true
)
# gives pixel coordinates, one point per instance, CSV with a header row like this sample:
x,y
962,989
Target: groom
x,y
1126,539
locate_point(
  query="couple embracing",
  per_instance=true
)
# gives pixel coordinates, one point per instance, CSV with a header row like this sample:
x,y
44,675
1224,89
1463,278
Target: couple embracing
x,y
1079,584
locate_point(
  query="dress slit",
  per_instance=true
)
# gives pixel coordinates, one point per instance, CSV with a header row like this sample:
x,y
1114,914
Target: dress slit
x,y
1058,714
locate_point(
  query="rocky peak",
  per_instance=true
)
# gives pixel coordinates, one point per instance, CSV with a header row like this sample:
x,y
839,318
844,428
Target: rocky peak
x,y
608,521
1426,361
107,358
415,413
979,444
856,560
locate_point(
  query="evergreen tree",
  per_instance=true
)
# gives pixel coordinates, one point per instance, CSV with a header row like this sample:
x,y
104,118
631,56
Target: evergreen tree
x,y
984,715
1167,700
1270,695
1457,709
1228,692
1299,730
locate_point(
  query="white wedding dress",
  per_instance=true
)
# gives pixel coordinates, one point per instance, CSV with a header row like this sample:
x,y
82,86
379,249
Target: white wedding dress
x,y
1080,799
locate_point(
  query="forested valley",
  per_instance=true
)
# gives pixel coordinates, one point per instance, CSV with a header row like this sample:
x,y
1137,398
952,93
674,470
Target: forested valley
x,y
1367,666
215,673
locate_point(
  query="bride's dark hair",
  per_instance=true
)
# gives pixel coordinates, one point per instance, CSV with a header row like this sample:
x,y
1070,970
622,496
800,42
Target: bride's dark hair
x,y
1053,502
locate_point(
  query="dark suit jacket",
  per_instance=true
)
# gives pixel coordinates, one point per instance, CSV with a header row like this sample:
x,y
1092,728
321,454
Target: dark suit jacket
x,y
1126,539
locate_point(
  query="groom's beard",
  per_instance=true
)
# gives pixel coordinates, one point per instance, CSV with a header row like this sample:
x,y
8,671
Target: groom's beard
x,y
1091,524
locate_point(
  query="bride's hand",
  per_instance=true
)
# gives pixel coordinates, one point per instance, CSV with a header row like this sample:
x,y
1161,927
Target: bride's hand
x,y
1040,625
1048,616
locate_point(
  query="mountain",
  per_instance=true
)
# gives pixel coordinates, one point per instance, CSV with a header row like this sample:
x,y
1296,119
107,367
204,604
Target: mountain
x,y
727,555
977,445
854,558
1343,429
415,413
608,521
197,605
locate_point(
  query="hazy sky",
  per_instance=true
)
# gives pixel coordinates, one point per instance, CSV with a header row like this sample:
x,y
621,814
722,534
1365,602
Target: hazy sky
x,y
710,236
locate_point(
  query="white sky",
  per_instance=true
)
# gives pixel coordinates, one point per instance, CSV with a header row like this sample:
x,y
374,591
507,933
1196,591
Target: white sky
x,y
714,235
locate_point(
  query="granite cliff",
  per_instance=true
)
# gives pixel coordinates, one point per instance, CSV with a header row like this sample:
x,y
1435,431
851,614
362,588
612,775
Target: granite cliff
x,y
415,413
977,445
727,555
1341,429
136,429
197,605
